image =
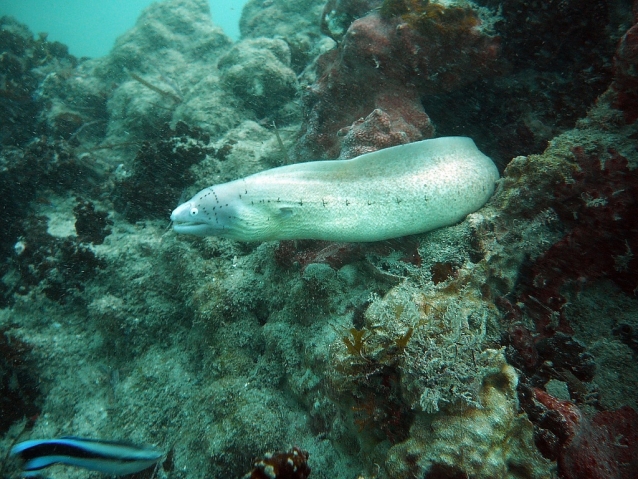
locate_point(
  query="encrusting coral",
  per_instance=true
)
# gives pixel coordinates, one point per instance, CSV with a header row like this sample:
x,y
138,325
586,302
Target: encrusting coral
x,y
487,440
443,336
421,353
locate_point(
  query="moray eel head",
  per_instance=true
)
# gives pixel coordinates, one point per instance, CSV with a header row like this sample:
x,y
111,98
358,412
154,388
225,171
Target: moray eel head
x,y
214,211
188,219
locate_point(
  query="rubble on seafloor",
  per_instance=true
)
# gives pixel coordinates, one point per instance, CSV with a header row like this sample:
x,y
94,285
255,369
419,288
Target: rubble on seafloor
x,y
502,347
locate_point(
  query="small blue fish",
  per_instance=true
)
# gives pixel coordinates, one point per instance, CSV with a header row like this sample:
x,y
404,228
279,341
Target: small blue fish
x,y
109,457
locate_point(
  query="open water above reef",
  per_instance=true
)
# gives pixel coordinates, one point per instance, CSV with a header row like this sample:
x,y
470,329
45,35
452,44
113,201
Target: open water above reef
x,y
502,346
89,28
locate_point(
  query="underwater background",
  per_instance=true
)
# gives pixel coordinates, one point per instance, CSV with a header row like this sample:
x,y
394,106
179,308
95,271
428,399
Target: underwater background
x,y
90,27
504,346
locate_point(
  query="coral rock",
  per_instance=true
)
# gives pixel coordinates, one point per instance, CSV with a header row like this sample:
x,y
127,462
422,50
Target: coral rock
x,y
339,14
25,63
626,79
91,225
281,465
604,447
19,384
161,172
382,130
598,206
493,440
258,71
387,63
294,22
522,342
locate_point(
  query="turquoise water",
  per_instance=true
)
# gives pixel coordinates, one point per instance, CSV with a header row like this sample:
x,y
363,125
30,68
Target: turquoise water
x,y
89,27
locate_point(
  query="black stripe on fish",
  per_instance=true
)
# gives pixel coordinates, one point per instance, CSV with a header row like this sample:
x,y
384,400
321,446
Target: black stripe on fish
x,y
110,457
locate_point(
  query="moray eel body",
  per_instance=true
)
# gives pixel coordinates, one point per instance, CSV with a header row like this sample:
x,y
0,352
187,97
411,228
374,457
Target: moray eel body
x,y
394,192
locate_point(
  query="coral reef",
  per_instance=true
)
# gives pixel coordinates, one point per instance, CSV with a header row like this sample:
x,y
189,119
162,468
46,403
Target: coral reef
x,y
338,15
602,447
59,267
155,74
558,356
20,395
183,27
439,363
281,465
572,198
590,196
381,129
28,176
300,254
596,204
584,176
160,173
560,57
382,67
391,359
242,151
415,352
258,72
625,84
294,22
490,439
25,63
91,225
627,335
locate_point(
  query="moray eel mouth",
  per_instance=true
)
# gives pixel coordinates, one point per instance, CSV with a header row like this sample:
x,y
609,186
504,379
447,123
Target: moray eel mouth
x,y
183,227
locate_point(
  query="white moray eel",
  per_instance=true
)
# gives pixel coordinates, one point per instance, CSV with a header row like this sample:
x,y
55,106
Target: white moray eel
x,y
394,192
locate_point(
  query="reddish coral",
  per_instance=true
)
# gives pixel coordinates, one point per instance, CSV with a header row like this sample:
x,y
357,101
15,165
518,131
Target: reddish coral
x,y
521,339
599,206
570,417
281,465
605,447
381,129
385,65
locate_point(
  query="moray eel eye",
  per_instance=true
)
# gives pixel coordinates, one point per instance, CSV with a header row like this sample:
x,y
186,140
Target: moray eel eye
x,y
194,211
